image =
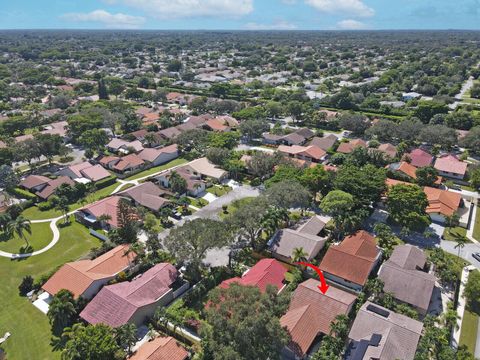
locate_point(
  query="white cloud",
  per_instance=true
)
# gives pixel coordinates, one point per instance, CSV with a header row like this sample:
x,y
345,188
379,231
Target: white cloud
x,y
350,7
350,24
117,21
278,25
166,9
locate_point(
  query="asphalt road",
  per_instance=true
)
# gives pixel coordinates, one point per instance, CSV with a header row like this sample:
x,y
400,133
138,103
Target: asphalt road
x,y
216,257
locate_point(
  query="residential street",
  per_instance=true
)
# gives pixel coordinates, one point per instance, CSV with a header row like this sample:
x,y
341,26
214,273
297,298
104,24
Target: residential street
x,y
217,257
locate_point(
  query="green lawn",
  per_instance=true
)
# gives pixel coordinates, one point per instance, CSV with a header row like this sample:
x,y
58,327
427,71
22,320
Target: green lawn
x,y
34,213
219,190
451,234
476,229
30,329
156,169
41,237
468,334
235,205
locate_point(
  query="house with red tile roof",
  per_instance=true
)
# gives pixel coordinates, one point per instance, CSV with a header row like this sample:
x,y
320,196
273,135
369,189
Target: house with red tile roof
x,y
264,273
347,147
148,195
159,156
311,313
44,187
85,171
310,153
388,149
350,263
90,214
119,145
450,166
129,163
133,301
84,278
221,124
160,348
419,158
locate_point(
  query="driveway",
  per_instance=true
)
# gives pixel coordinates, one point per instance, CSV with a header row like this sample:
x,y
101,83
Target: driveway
x,y
216,257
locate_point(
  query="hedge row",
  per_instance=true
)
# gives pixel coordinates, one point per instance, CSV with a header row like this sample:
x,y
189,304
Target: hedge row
x,y
105,182
24,194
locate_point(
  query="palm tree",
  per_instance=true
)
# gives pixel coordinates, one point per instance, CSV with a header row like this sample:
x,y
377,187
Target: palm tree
x,y
61,311
450,317
299,255
63,206
19,226
461,241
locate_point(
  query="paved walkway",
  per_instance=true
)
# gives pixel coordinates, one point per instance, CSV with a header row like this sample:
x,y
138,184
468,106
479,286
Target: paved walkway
x,y
53,221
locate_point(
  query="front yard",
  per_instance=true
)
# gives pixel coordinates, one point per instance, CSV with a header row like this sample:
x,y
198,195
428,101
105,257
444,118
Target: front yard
x,y
219,190
41,237
30,328
468,334
451,234
476,229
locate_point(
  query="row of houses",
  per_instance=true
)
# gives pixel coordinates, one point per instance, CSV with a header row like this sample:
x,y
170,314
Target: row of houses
x,y
125,302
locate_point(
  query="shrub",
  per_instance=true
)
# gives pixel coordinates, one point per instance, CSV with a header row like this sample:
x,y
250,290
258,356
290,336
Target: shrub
x,y
105,182
24,194
26,285
45,206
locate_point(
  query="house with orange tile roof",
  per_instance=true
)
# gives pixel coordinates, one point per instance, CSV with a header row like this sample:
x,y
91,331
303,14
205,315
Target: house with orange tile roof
x,y
350,263
441,203
84,278
444,203
407,171
310,315
161,348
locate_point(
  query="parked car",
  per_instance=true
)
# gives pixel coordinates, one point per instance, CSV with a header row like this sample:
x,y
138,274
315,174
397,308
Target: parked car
x,y
476,256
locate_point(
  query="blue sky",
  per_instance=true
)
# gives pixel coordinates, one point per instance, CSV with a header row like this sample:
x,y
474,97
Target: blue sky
x,y
241,14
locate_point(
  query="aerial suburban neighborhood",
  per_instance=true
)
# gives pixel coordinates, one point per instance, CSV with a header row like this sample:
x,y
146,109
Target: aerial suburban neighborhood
x,y
239,195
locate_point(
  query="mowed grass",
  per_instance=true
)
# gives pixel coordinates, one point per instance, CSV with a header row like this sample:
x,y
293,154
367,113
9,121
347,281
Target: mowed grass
x,y
451,234
34,213
476,229
29,327
40,237
157,169
468,334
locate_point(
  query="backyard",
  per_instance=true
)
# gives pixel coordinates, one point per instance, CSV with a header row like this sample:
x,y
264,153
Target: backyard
x,y
34,213
41,237
157,169
29,328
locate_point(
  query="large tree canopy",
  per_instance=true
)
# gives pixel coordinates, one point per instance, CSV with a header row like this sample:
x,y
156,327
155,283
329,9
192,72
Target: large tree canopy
x,y
244,324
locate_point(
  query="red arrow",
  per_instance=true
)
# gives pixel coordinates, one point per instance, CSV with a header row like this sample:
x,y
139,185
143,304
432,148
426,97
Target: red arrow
x,y
323,287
